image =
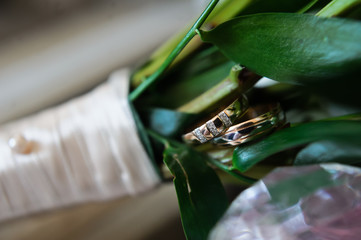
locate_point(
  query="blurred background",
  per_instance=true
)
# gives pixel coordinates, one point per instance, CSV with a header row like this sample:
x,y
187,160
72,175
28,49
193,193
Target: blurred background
x,y
53,50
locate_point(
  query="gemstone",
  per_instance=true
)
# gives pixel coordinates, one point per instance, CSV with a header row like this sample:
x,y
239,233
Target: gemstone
x,y
297,203
198,134
212,128
225,119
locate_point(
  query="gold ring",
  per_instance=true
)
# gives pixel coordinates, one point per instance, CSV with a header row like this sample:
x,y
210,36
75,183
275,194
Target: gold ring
x,y
219,123
257,122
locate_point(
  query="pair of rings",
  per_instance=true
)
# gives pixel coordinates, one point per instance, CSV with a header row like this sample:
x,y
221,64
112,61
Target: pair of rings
x,y
238,124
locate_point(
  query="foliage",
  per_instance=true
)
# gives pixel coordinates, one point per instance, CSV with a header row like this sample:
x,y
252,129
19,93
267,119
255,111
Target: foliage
x,y
311,47
337,130
202,199
295,54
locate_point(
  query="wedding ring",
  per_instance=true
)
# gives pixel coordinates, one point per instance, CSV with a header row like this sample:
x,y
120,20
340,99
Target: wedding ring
x,y
219,123
257,122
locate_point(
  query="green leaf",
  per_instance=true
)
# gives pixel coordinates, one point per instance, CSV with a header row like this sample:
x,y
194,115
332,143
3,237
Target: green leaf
x,y
201,197
296,48
244,157
329,151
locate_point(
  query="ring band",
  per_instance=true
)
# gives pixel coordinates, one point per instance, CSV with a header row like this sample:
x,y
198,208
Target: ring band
x,y
269,117
218,124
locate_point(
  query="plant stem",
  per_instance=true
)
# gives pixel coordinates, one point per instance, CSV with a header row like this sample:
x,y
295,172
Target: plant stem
x,y
307,7
337,7
191,33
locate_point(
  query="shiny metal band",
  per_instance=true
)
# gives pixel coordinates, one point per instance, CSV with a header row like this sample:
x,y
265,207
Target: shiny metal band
x,y
218,124
263,119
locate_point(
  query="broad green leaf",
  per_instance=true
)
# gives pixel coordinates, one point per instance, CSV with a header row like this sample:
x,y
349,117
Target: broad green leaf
x,y
346,131
322,53
201,197
291,47
168,123
329,151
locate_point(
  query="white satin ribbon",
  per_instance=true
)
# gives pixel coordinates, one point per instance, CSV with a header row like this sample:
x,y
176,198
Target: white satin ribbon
x,y
84,150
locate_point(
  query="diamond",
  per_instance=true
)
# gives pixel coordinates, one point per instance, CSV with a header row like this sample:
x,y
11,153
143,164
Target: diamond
x,y
198,134
225,119
212,128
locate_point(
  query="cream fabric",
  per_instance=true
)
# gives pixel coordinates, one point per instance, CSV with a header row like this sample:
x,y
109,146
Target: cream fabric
x,y
86,149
